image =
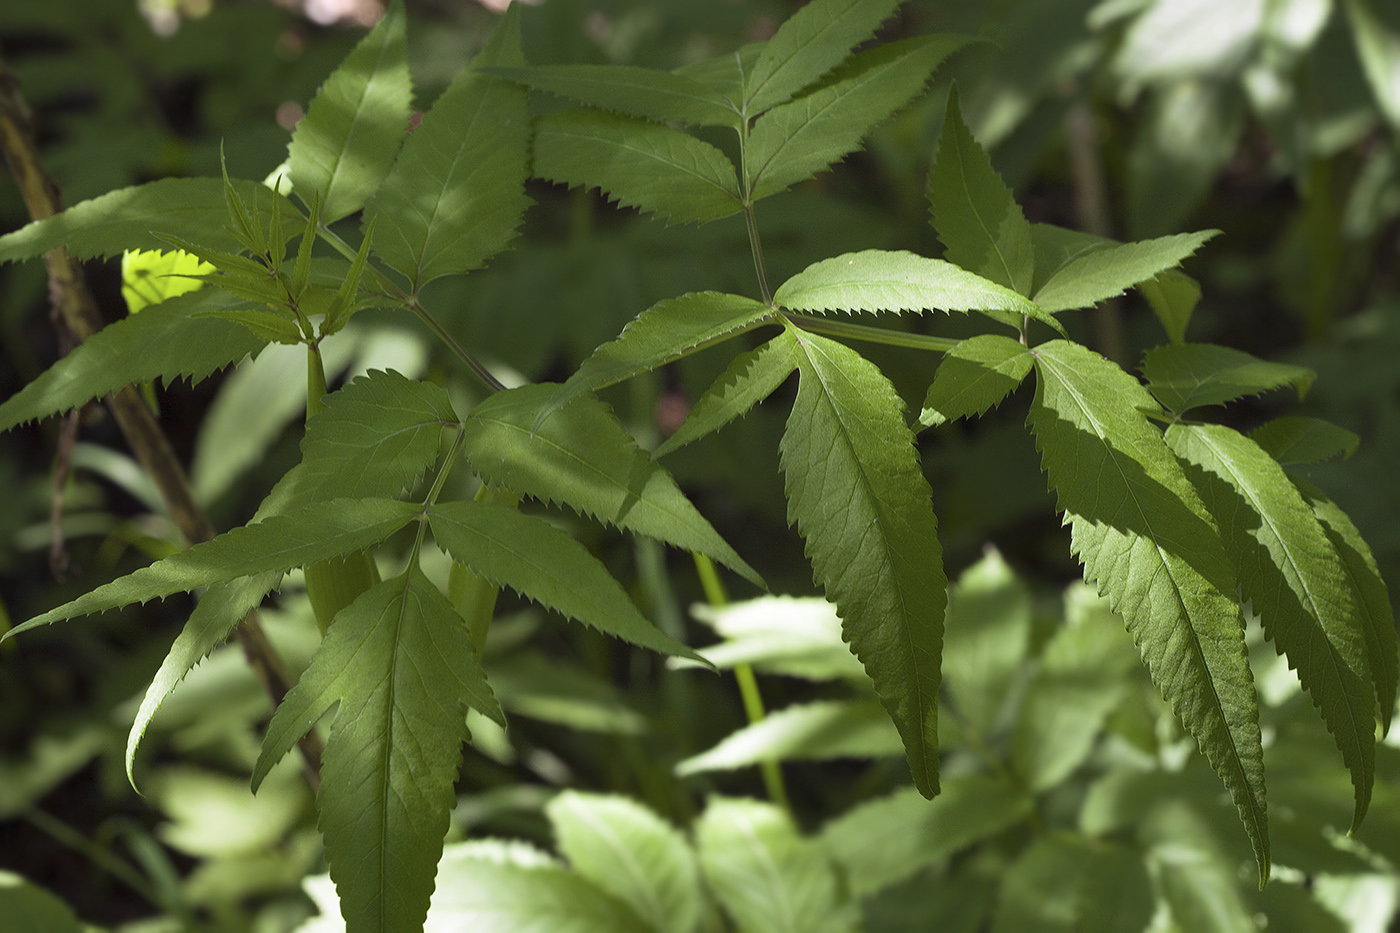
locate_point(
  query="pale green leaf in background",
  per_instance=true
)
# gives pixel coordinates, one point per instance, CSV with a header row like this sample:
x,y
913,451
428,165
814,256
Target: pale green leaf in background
x,y
1148,543
1067,884
795,140
456,192
1184,376
1293,577
816,731
581,456
630,90
986,639
1194,872
860,500
813,41
795,636
638,164
766,875
973,376
541,562
1379,49
634,855
168,341
151,276
1173,296
400,665
355,124
974,212
1110,271
1297,439
749,379
29,907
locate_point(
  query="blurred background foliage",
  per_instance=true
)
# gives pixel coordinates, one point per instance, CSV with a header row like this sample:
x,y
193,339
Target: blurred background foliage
x,y
1273,120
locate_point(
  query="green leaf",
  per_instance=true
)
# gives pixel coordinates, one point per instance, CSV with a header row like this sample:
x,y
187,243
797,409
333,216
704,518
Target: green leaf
x,y
1067,884
1056,247
749,379
221,608
1379,50
400,665
583,457
634,855
106,226
266,326
1173,296
167,341
1368,592
375,437
815,731
787,635
627,89
1294,439
638,164
277,543
1185,376
151,276
543,563
1110,271
769,878
858,496
886,840
976,217
1193,873
975,375
810,43
795,140
1290,572
666,331
456,193
356,122
27,906
1149,544
986,640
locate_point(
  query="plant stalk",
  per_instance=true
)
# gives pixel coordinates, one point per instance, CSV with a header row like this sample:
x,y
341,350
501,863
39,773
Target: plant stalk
x,y
890,338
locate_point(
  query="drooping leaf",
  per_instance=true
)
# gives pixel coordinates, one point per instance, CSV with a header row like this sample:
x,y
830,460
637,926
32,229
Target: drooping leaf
x,y
151,276
1379,50
1291,573
627,89
810,43
130,218
795,140
354,125
767,876
666,331
985,644
787,635
886,280
976,217
278,543
634,855
1110,271
858,497
400,664
1148,543
581,456
975,375
816,731
749,379
375,437
168,341
1368,593
886,840
1184,376
455,194
221,608
1173,296
638,164
541,562
1295,439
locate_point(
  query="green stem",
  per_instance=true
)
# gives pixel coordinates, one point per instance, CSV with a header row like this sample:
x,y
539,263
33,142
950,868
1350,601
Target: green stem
x,y
98,855
890,338
756,248
748,684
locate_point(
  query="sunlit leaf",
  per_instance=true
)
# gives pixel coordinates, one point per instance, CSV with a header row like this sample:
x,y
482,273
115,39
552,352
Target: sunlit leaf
x,y
973,376
1112,270
816,731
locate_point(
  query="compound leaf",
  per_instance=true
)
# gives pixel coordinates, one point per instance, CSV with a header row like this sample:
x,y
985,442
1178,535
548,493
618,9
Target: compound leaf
x,y
401,666
582,456
168,341
975,375
278,543
638,164
859,498
541,562
1291,573
1104,273
627,89
977,219
810,43
1148,543
456,192
354,125
1184,376
795,140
